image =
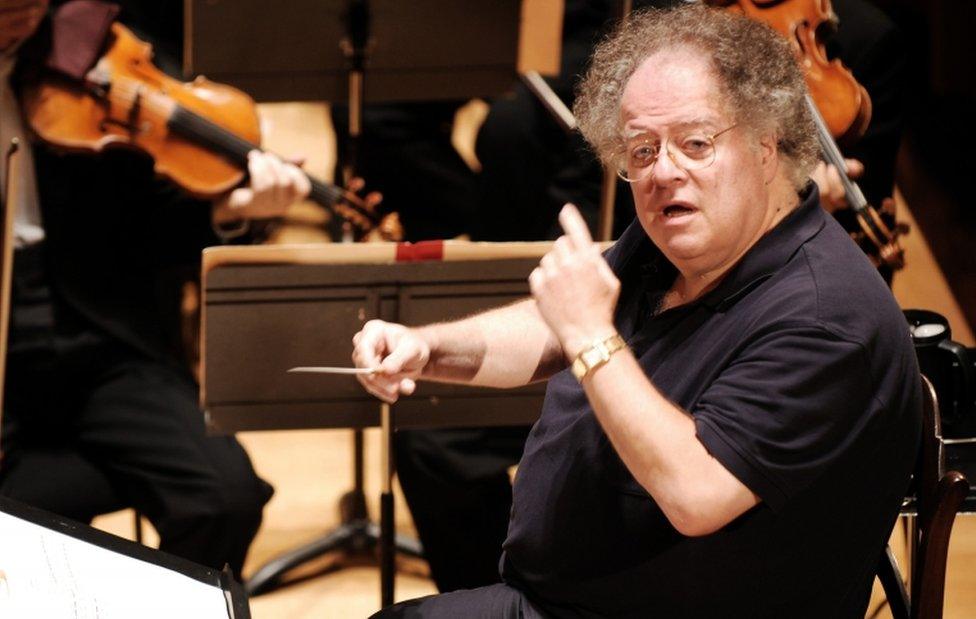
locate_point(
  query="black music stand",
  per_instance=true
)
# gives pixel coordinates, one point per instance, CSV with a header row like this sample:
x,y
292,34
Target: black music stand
x,y
417,51
276,299
323,50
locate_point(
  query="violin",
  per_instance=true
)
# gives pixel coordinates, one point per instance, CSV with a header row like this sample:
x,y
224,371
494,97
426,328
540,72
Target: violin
x,y
841,100
840,106
198,133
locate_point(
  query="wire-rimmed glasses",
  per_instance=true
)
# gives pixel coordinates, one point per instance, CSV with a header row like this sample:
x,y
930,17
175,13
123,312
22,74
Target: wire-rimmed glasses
x,y
691,150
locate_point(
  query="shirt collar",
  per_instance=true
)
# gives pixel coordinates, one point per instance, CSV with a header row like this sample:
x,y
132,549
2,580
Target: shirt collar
x,y
762,260
770,252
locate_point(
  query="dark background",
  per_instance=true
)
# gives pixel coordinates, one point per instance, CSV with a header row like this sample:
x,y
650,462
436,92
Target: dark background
x,y
938,154
937,160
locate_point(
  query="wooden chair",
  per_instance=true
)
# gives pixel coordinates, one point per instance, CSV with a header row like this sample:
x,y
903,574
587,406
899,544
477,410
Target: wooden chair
x,y
938,495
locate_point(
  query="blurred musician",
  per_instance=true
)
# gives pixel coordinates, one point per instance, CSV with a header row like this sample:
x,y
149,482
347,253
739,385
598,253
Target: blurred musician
x,y
100,413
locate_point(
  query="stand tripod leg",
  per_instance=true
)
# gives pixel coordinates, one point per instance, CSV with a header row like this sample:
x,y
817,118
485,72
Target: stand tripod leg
x,y
355,534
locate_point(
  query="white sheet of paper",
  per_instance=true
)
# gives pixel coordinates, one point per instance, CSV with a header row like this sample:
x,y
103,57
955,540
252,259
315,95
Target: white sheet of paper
x,y
44,573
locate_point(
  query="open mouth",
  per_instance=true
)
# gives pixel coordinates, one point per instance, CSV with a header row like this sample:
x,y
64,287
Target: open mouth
x,y
676,210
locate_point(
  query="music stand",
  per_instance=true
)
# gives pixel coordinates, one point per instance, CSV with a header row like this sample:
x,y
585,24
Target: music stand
x,y
276,298
421,50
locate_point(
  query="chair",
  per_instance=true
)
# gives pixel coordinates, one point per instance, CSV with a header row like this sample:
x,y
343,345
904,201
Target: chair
x,y
938,496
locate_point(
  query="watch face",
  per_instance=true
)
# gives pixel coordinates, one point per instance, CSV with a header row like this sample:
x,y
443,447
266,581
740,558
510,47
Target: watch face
x,y
596,355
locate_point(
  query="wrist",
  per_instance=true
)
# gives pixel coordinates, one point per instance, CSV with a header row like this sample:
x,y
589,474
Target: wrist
x,y
428,337
594,356
225,222
576,342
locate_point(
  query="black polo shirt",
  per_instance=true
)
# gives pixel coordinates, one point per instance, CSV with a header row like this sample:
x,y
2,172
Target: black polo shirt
x,y
801,377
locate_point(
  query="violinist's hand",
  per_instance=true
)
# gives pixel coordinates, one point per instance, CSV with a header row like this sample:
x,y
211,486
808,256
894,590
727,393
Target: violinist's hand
x,y
273,186
372,200
832,195
397,352
574,289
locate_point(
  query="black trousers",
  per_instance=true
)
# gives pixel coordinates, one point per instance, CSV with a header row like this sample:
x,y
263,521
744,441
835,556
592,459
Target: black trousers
x,y
457,487
92,425
498,601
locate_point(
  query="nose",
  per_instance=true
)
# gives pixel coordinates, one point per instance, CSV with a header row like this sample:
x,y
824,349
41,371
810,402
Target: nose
x,y
666,170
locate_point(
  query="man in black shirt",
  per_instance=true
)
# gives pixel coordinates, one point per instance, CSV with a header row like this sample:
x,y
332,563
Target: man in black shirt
x,y
736,429
456,480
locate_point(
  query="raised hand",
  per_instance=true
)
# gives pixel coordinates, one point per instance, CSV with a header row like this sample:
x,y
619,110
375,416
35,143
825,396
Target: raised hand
x,y
573,287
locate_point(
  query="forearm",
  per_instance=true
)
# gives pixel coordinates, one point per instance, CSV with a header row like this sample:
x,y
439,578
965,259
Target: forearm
x,y
657,442
505,347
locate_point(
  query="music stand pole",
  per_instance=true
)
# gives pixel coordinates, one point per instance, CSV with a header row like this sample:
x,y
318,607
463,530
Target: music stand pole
x,y
354,47
356,533
387,525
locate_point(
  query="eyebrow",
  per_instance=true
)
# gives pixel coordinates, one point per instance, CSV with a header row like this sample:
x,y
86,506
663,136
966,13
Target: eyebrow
x,y
685,124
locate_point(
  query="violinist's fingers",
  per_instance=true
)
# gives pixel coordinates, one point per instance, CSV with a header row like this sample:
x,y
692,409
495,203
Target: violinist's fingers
x,y
299,182
888,206
281,186
286,180
575,228
372,200
258,167
240,198
355,184
835,186
854,168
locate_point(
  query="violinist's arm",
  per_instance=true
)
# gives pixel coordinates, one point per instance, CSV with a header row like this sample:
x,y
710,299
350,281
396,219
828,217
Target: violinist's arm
x,y
273,185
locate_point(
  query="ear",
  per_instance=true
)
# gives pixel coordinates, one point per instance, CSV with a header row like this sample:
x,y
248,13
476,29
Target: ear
x,y
769,153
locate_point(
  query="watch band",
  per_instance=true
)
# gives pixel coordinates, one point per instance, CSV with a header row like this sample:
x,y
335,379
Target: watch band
x,y
595,355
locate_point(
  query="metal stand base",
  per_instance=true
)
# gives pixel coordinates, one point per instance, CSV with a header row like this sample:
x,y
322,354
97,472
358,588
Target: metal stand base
x,y
356,535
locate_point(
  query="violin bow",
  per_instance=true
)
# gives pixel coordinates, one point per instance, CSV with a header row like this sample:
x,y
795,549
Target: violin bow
x,y
881,236
7,206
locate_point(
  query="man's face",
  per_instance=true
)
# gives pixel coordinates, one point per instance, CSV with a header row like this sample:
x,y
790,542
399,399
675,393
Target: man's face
x,y
18,20
703,220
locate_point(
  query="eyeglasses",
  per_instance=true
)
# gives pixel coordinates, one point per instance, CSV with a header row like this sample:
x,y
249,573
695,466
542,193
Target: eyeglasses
x,y
693,150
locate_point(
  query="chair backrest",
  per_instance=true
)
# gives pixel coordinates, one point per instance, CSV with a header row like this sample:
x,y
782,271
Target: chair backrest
x,y
938,496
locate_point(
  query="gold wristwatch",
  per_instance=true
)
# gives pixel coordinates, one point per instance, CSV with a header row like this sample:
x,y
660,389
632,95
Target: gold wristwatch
x,y
595,355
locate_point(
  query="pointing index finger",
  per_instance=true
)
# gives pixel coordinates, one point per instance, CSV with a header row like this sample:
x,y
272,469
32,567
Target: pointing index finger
x,y
574,227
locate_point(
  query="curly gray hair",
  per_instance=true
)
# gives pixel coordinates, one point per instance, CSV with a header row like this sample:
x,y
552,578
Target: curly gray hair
x,y
759,80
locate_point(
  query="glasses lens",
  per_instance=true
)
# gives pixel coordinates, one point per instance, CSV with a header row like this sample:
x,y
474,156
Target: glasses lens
x,y
694,151
635,161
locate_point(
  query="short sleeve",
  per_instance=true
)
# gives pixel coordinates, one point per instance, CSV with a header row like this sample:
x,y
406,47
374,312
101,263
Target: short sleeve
x,y
787,408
